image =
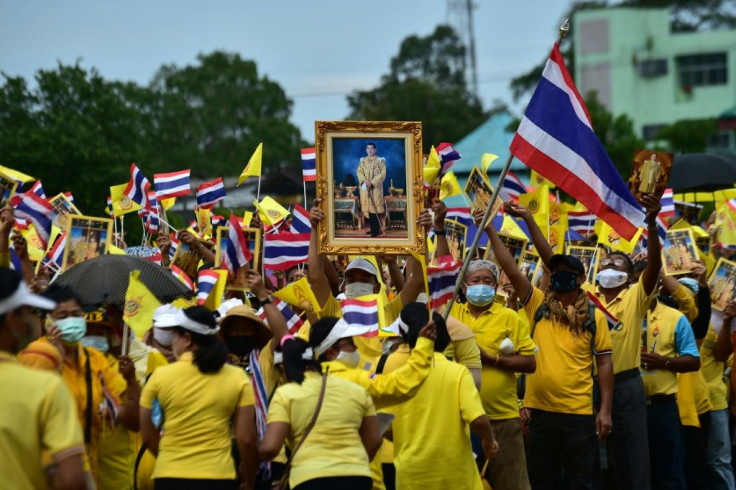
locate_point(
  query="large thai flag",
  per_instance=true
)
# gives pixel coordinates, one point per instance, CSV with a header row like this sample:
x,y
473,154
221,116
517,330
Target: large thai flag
x,y
581,221
237,253
293,321
361,313
282,251
442,278
210,193
37,210
172,184
556,139
138,185
300,220
448,156
668,204
56,254
462,215
37,189
512,187
309,164
206,280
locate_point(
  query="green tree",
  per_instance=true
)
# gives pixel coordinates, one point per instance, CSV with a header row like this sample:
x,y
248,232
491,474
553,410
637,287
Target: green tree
x,y
688,135
426,82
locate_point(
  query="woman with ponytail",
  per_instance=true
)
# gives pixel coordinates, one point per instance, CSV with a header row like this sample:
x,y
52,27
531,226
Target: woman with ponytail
x,y
199,396
329,424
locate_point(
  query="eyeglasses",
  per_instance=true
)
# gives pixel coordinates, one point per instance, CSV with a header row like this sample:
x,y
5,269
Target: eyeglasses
x,y
617,262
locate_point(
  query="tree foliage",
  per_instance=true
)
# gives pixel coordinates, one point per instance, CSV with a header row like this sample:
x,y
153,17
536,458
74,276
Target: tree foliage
x,y
426,82
688,135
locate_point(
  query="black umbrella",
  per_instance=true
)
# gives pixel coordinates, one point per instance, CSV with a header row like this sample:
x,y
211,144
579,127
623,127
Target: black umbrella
x,y
693,172
104,280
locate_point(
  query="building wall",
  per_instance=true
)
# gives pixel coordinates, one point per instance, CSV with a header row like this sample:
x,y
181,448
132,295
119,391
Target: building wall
x,y
611,46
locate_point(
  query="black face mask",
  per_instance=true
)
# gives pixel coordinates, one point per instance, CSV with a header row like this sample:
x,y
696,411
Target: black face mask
x,y
240,346
564,281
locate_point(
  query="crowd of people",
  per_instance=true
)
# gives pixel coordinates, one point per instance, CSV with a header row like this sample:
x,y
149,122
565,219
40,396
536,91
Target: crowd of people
x,y
618,384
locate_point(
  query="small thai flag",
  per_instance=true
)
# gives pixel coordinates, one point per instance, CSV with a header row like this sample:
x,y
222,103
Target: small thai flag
x,y
21,224
448,156
293,321
282,251
218,220
206,280
361,313
179,274
138,185
731,203
36,210
155,258
172,184
300,220
236,251
613,323
463,215
210,193
582,222
309,164
174,245
69,196
15,263
442,278
109,207
661,232
37,189
56,254
668,204
512,187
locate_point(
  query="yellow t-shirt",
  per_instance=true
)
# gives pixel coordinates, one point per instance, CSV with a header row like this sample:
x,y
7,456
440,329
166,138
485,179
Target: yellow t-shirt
x,y
333,447
37,413
563,381
74,378
629,308
432,431
686,301
197,411
463,349
692,397
498,387
713,372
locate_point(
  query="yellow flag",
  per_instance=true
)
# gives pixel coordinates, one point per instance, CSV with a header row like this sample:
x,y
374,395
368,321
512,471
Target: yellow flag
x,y
535,180
608,236
432,168
270,211
35,247
15,175
204,220
167,203
247,216
140,304
726,224
253,169
557,238
184,302
450,186
486,160
116,250
538,201
122,204
299,293
511,228
215,298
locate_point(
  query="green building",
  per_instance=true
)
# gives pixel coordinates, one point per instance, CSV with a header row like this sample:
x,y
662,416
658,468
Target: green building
x,y
641,68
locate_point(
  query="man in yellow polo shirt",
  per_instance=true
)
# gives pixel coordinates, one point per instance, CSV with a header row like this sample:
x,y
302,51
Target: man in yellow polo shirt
x,y
37,412
573,339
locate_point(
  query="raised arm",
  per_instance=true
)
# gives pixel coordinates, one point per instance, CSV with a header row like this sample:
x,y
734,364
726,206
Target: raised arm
x,y
654,258
440,212
317,278
274,318
414,283
538,238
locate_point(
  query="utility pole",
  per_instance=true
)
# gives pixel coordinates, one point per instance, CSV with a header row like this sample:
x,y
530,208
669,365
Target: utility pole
x,y
460,16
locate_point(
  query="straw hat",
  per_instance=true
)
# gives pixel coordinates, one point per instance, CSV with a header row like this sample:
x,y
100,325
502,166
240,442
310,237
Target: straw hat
x,y
245,313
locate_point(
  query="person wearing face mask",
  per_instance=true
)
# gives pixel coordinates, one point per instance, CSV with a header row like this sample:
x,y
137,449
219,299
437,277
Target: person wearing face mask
x,y
37,412
572,336
89,376
627,301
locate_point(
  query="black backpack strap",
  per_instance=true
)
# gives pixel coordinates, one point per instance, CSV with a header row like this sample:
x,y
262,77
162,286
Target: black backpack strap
x,y
88,410
382,362
591,327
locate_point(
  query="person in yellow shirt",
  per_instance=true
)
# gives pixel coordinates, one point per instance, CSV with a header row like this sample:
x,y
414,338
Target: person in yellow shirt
x,y
627,300
431,431
329,423
37,412
104,396
199,396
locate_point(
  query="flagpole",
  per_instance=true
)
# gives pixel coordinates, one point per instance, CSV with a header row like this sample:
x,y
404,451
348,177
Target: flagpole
x,y
258,194
126,339
564,28
122,227
305,193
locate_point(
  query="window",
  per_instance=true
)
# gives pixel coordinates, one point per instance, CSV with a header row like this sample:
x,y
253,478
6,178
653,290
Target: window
x,y
653,68
650,131
719,140
702,70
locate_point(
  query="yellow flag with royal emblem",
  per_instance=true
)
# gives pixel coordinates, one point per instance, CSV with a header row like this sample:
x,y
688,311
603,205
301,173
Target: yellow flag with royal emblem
x,y
140,303
536,202
270,211
432,169
253,169
486,160
449,186
122,204
204,220
299,293
609,236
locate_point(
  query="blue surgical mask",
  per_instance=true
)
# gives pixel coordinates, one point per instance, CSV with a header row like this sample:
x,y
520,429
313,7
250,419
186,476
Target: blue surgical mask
x,y
480,294
691,283
97,342
564,281
72,329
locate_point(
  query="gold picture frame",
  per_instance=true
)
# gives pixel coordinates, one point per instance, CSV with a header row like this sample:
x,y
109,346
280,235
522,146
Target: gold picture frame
x,y
590,258
478,190
722,284
8,188
62,207
679,252
456,235
240,281
87,237
342,147
515,246
531,266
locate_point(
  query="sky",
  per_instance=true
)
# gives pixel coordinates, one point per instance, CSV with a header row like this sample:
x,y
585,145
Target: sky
x,y
318,50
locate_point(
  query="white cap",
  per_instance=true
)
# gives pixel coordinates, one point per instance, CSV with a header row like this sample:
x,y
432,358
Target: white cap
x,y
341,330
165,316
226,306
364,265
24,297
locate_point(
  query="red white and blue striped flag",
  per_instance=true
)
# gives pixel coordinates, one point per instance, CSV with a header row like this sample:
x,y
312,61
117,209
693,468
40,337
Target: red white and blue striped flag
x,y
210,193
556,139
172,184
181,275
309,164
282,251
462,215
582,222
138,185
363,313
300,220
668,204
206,280
613,323
237,253
293,321
448,156
441,279
56,254
37,189
37,210
512,187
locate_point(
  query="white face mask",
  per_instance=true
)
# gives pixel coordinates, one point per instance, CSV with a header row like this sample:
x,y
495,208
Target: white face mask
x,y
164,336
358,289
611,278
422,298
350,359
388,344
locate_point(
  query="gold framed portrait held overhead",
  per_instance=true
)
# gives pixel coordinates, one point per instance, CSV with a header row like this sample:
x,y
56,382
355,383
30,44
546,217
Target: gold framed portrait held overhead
x,y
87,238
370,183
650,172
678,252
722,284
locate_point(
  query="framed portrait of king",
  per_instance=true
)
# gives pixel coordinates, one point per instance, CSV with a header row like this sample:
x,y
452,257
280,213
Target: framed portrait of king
x,y
369,181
